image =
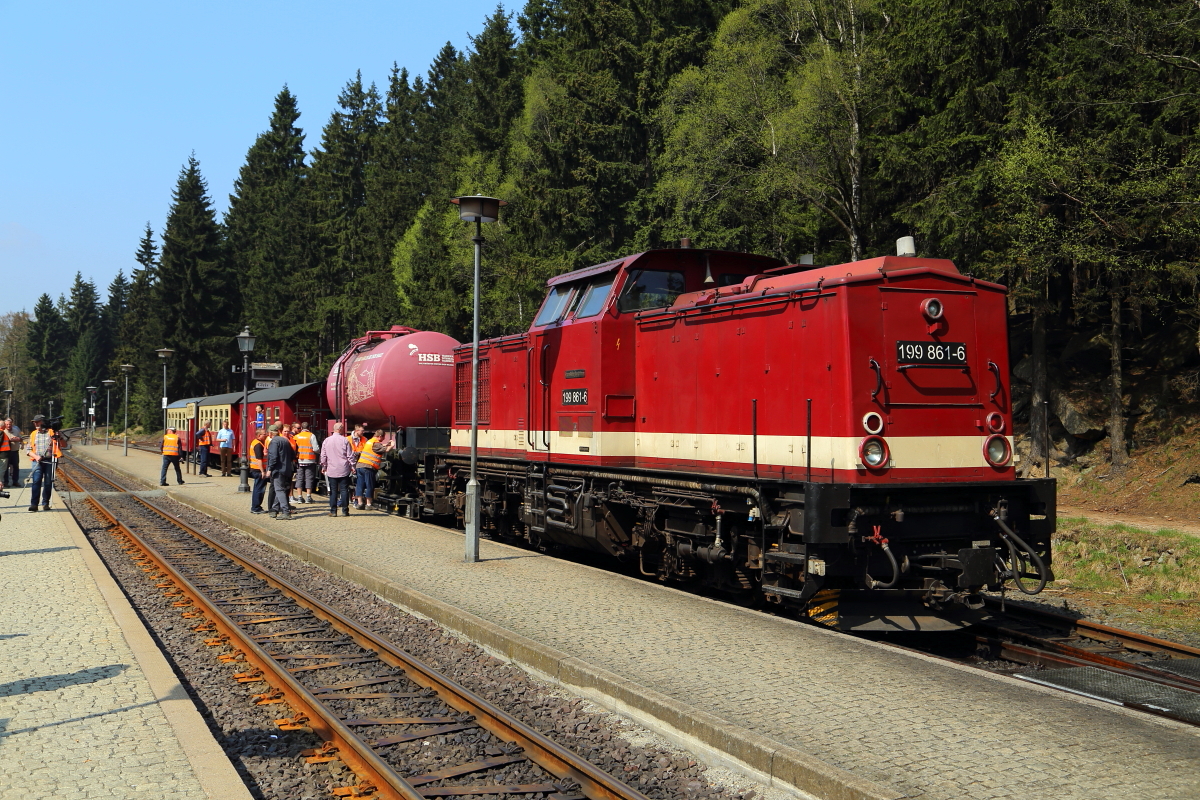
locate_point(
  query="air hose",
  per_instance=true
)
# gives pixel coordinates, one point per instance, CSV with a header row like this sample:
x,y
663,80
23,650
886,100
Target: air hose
x,y
1014,541
887,551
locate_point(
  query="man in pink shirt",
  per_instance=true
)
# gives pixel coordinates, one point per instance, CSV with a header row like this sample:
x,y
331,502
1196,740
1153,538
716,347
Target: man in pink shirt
x,y
337,462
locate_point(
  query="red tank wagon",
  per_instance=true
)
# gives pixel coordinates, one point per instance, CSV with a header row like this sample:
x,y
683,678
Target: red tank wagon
x,y
398,378
836,438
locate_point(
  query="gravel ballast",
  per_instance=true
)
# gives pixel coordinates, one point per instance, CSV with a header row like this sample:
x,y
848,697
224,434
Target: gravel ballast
x,y
269,759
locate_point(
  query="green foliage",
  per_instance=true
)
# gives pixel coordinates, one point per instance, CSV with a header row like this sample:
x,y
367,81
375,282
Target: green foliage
x,y
84,368
1050,145
14,334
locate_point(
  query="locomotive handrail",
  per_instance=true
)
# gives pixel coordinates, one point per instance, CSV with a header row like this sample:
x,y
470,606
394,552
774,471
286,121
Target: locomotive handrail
x,y
545,399
741,300
992,367
529,397
878,378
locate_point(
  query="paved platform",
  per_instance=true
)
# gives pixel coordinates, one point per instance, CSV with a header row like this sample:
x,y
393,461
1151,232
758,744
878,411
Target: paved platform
x,y
835,716
89,707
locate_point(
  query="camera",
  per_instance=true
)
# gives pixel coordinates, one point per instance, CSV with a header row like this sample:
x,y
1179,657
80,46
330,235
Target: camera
x,y
4,495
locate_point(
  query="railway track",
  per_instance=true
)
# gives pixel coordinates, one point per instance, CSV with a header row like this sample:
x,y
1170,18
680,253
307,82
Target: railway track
x,y
1095,660
377,709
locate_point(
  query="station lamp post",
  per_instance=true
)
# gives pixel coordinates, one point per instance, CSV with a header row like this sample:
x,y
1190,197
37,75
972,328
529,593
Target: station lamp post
x,y
165,354
477,209
8,393
126,368
246,345
89,416
108,384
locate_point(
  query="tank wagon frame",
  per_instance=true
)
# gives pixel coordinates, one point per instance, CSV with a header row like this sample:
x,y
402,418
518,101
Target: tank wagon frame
x,y
835,439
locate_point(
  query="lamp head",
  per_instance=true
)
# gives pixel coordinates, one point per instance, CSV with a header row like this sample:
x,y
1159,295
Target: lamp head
x,y
108,383
165,352
477,208
127,368
245,340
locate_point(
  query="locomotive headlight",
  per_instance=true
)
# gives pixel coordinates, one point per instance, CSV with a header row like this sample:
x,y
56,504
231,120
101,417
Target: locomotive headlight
x,y
872,422
996,450
873,452
932,308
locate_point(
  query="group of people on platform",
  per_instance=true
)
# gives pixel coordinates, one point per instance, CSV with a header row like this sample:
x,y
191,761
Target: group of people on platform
x,y
285,460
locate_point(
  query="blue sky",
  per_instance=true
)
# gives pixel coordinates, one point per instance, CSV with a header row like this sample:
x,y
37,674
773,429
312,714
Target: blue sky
x,y
101,104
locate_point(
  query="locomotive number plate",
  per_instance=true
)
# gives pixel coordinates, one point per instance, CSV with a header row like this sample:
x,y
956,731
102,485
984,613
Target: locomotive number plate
x,y
574,397
949,353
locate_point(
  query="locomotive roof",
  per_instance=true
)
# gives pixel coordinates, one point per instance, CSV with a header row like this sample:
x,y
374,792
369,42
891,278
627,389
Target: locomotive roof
x,y
764,262
804,277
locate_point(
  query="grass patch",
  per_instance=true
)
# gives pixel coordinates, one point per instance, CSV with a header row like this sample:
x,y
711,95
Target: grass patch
x,y
1138,565
1130,577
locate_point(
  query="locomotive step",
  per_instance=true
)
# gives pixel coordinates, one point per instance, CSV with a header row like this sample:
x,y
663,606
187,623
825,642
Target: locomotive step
x,y
790,558
782,592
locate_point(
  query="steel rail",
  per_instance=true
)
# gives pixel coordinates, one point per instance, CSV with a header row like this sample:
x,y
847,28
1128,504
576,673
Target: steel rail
x,y
550,756
1103,633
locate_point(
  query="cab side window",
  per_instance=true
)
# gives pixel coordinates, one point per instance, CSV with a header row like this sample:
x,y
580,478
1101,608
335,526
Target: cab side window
x,y
650,288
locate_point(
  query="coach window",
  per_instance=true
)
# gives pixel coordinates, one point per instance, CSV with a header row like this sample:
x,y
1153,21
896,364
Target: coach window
x,y
593,297
555,305
650,288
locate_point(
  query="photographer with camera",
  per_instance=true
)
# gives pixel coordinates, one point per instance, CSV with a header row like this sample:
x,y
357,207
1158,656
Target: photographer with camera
x,y
44,452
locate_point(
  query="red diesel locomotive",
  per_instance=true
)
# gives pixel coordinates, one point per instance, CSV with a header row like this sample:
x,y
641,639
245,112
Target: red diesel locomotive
x,y
834,439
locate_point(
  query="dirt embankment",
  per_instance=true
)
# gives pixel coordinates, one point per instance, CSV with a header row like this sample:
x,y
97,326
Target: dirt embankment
x,y
1160,487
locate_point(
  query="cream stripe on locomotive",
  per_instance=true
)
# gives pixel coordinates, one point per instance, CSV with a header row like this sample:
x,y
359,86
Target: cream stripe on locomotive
x,y
907,452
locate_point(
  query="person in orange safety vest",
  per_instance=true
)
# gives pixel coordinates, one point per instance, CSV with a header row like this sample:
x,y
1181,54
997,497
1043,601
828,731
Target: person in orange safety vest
x,y
170,454
307,451
369,461
257,456
44,452
204,440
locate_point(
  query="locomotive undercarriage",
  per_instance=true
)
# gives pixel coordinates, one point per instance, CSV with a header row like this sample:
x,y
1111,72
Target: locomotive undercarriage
x,y
850,556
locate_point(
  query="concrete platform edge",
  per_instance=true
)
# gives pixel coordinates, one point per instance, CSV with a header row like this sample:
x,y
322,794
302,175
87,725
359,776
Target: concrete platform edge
x,y
722,742
217,775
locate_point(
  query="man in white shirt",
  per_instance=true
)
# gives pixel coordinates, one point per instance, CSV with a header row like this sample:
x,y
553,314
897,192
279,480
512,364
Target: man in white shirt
x,y
225,443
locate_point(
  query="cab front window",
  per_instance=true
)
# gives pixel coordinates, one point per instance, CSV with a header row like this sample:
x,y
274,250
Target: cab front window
x,y
555,305
593,297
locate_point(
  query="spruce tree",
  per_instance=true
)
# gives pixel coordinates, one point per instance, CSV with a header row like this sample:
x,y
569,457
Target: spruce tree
x,y
141,332
399,177
83,370
349,266
47,355
268,231
493,91
196,291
